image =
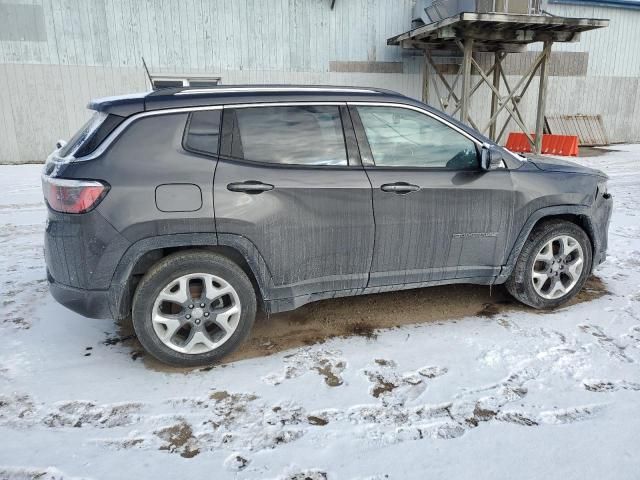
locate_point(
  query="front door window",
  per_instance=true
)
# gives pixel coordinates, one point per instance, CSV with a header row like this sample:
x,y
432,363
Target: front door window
x,y
400,137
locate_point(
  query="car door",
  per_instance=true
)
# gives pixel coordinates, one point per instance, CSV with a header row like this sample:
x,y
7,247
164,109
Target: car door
x,y
291,182
438,215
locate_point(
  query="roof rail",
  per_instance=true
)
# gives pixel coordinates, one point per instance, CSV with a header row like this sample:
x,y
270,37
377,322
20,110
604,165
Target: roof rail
x,y
263,88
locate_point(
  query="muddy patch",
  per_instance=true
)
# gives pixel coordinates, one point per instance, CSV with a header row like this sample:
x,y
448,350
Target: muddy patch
x,y
178,438
327,370
361,329
594,288
361,316
382,386
318,421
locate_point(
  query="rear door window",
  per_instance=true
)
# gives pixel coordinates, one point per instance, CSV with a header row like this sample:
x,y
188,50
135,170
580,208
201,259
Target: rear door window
x,y
294,135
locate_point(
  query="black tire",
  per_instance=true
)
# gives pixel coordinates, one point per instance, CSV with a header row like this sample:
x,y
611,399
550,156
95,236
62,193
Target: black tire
x,y
173,267
520,283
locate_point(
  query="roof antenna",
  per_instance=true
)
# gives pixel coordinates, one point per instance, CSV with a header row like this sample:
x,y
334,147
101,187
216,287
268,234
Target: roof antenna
x,y
144,64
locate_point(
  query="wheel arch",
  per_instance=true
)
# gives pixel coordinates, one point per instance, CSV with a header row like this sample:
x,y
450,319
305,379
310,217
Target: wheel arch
x,y
141,255
576,214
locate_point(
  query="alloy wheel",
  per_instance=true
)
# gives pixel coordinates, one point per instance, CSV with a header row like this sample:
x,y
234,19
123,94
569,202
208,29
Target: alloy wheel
x,y
557,267
196,313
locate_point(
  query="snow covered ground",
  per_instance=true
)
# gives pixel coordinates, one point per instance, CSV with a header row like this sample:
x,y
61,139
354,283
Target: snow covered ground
x,y
513,394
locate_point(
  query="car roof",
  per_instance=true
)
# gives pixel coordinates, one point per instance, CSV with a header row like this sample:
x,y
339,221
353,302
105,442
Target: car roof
x,y
183,97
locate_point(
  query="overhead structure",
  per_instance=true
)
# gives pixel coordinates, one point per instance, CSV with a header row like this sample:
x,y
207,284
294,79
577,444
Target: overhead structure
x,y
501,34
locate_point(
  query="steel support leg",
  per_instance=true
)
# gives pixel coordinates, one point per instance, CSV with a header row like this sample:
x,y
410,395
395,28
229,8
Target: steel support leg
x,y
497,66
425,79
466,79
542,98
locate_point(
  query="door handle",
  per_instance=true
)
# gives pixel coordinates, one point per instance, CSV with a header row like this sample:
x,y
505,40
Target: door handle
x,y
399,187
251,187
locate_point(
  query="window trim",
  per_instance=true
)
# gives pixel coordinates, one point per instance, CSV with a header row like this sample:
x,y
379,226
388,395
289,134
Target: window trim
x,y
365,148
349,140
106,143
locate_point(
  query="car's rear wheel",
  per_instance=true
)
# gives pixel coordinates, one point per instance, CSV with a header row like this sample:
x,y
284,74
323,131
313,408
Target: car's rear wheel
x,y
553,265
193,308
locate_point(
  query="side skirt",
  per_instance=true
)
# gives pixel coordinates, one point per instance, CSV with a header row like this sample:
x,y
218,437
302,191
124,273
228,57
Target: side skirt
x,y
287,304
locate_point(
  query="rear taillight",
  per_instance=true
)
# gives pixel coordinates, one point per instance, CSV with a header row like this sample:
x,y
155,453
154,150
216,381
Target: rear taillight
x,y
73,196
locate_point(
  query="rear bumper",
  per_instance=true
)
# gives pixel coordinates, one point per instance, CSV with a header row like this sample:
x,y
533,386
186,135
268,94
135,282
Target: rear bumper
x,y
89,303
81,254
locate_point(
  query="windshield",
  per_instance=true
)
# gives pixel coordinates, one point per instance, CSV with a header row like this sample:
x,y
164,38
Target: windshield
x,y
83,134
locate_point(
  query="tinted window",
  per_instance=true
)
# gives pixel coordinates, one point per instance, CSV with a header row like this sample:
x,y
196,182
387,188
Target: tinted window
x,y
106,127
203,132
305,135
82,135
401,137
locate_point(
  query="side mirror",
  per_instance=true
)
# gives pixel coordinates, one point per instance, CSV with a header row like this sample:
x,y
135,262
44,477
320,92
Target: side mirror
x,y
490,158
60,144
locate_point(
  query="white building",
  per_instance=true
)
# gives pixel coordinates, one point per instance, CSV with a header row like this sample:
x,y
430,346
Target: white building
x,y
57,54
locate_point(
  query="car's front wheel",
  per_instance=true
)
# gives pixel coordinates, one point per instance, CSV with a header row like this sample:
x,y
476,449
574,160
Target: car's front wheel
x,y
553,265
192,308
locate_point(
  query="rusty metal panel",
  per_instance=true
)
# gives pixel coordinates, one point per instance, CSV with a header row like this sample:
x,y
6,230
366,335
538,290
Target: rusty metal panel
x,y
366,67
588,128
561,64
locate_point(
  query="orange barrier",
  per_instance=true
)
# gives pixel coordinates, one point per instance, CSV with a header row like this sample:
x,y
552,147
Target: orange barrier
x,y
552,144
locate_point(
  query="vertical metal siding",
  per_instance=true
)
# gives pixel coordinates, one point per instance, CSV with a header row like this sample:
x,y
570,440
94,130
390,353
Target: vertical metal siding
x,y
94,49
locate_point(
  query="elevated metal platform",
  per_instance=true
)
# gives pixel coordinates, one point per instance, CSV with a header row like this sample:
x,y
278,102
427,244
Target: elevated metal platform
x,y
502,34
496,31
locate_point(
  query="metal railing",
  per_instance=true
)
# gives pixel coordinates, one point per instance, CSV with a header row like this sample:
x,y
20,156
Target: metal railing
x,y
441,9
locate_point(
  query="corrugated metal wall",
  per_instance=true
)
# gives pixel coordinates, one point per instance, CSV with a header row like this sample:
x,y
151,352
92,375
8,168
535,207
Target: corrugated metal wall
x,y
57,54
612,84
73,50
600,74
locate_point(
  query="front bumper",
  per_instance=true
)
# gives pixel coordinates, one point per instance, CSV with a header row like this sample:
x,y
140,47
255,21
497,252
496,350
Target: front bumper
x,y
601,218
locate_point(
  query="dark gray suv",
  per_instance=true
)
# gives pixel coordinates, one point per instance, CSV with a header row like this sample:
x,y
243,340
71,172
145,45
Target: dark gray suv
x,y
189,208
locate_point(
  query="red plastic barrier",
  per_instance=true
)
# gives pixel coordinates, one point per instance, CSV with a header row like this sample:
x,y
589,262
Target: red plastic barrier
x,y
566,145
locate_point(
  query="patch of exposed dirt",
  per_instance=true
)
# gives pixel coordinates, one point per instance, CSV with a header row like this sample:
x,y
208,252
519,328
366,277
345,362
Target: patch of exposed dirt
x,y
326,369
381,385
179,439
313,420
385,363
362,329
362,316
594,288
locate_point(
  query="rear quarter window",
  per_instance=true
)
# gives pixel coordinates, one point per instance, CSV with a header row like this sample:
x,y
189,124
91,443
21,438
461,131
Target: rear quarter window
x,y
109,124
202,133
91,135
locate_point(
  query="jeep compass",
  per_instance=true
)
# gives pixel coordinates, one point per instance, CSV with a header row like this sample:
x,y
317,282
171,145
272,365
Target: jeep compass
x,y
188,209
